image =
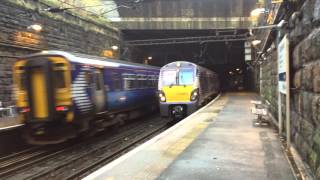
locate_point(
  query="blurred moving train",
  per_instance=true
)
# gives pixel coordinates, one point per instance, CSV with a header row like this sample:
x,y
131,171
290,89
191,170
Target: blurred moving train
x,y
184,87
61,95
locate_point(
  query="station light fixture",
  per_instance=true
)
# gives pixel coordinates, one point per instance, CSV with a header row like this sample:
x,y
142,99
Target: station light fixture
x,y
150,58
256,12
35,27
255,42
114,47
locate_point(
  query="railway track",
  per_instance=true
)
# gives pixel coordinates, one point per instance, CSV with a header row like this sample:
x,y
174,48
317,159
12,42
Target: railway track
x,y
77,160
95,165
17,161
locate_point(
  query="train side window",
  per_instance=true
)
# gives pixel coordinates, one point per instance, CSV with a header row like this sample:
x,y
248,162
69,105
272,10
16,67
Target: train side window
x,y
59,79
117,84
116,81
88,78
149,82
135,83
98,81
144,82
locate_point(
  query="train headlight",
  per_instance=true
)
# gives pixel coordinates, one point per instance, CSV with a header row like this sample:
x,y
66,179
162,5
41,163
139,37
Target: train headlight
x,y
194,95
162,96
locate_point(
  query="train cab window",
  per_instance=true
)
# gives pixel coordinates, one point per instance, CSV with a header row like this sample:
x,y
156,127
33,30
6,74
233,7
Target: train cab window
x,y
22,81
20,77
59,79
186,76
169,77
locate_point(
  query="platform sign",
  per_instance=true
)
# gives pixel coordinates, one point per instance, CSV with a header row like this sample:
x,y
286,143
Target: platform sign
x,y
284,86
283,59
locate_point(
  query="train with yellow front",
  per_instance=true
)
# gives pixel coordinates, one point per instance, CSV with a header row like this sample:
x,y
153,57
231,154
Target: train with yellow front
x,y
183,87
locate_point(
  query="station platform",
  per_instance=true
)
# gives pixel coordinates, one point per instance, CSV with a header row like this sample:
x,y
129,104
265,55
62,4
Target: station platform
x,y
8,123
219,141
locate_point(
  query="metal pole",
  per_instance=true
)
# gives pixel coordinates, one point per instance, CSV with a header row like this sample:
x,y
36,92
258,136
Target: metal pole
x,y
279,113
280,125
288,123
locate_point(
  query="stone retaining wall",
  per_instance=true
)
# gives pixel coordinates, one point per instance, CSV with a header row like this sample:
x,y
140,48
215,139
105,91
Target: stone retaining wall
x,y
61,31
304,37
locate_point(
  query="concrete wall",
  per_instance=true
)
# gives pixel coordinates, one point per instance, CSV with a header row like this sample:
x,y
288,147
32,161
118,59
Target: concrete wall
x,y
304,35
61,32
189,8
186,14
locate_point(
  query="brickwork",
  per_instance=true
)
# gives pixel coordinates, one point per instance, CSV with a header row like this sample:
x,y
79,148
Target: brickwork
x,y
269,83
61,31
7,58
304,36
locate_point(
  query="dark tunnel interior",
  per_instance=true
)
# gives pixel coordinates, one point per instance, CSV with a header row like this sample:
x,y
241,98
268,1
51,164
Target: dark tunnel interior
x,y
225,58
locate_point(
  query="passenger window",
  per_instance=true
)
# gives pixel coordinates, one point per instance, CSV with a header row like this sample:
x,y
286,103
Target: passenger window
x,y
116,81
59,79
135,83
117,84
98,82
88,78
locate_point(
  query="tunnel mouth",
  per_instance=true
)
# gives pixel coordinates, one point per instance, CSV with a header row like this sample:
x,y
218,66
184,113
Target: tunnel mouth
x,y
221,51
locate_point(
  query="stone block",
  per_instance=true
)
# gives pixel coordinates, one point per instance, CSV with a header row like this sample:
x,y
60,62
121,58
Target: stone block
x,y
296,101
297,79
305,150
307,77
316,77
307,15
316,12
307,131
297,60
295,123
312,45
298,140
316,140
313,160
307,98
316,109
317,174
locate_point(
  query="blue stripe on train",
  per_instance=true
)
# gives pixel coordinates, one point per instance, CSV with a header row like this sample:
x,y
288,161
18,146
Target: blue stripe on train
x,y
128,99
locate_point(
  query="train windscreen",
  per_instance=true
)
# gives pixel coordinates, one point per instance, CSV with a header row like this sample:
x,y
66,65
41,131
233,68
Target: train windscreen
x,y
180,77
169,78
186,77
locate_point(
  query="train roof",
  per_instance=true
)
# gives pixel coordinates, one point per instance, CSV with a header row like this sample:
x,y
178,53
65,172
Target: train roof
x,y
184,64
181,64
90,59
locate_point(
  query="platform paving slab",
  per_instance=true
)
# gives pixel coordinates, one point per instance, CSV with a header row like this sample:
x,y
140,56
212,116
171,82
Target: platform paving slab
x,y
7,123
217,142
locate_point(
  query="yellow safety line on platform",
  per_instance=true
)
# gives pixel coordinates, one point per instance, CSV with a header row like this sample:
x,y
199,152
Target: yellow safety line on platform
x,y
171,150
181,136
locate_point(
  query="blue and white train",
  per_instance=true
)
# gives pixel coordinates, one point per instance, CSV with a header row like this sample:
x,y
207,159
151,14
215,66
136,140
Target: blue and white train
x,y
61,95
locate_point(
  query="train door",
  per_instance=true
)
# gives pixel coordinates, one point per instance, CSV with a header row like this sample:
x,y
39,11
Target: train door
x,y
40,91
99,91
